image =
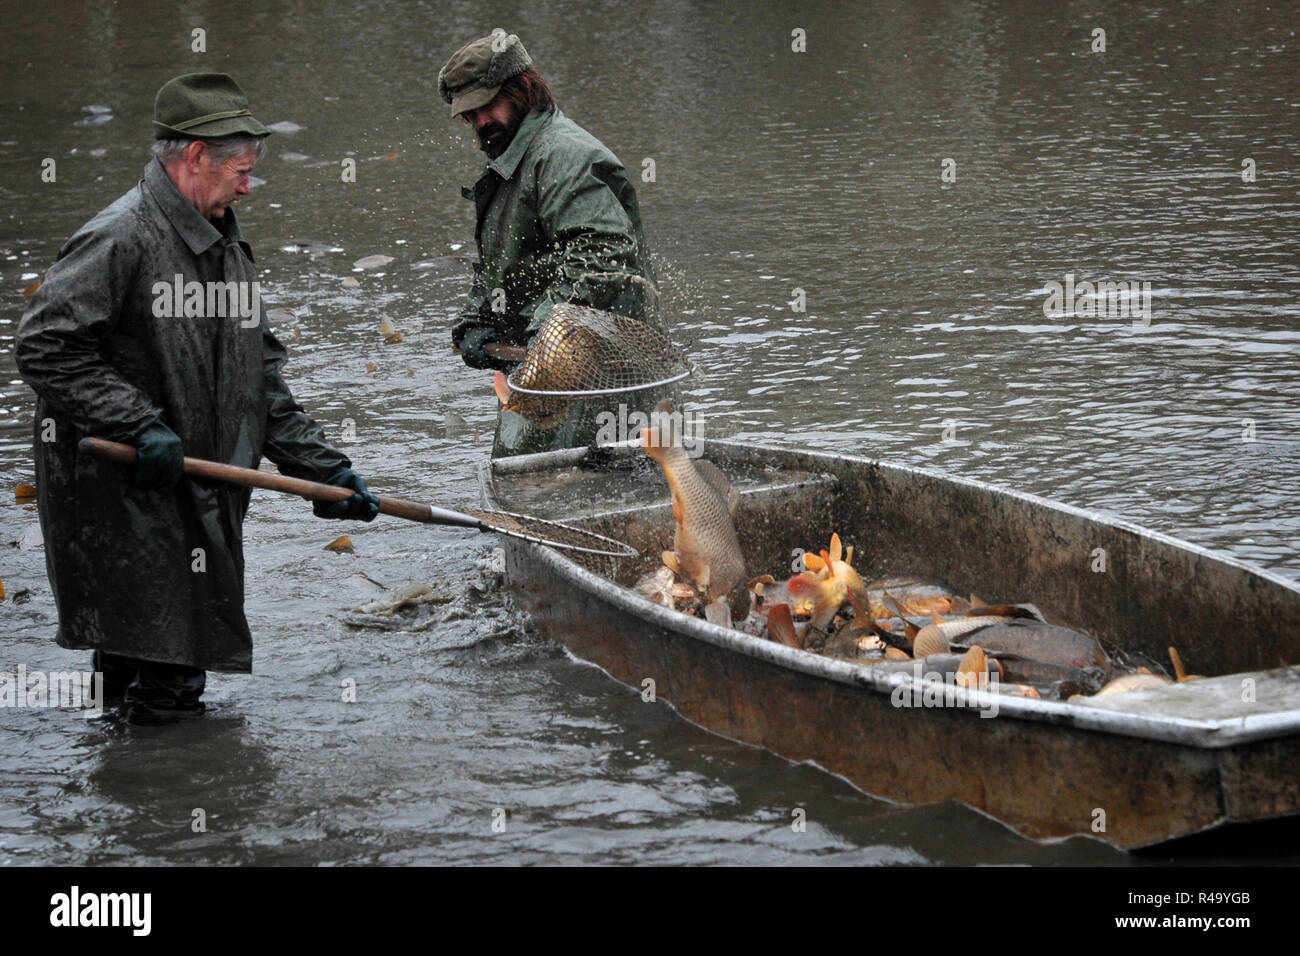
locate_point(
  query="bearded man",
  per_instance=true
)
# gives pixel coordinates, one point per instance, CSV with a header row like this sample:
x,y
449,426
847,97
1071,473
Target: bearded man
x,y
147,566
557,220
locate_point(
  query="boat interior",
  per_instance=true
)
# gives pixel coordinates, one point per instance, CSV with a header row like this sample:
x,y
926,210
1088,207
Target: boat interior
x,y
1136,591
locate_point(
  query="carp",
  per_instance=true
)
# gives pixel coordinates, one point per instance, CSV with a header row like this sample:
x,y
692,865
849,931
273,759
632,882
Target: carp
x,y
705,550
565,356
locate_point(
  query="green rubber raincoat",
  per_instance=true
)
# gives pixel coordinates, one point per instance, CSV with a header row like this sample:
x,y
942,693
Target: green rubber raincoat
x,y
557,221
146,574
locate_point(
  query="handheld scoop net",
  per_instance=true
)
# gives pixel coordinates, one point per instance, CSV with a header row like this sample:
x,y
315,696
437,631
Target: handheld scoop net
x,y
582,352
526,527
550,533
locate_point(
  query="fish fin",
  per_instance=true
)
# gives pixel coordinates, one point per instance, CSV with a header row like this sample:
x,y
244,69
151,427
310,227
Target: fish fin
x,y
1178,664
669,559
715,479
830,565
923,645
937,618
884,592
780,626
1021,612
500,386
896,654
910,629
812,562
848,556
976,601
837,549
717,612
860,603
972,665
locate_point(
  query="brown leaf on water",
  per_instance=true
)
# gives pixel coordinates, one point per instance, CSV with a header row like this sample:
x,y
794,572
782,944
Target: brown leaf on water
x,y
340,545
410,371
22,492
392,155
2,590
31,289
393,339
371,366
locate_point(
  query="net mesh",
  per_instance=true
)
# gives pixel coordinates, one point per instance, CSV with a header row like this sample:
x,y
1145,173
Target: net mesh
x,y
580,351
551,533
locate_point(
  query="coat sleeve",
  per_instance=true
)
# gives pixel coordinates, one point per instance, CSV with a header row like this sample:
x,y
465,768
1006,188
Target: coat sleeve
x,y
594,239
294,441
58,345
475,308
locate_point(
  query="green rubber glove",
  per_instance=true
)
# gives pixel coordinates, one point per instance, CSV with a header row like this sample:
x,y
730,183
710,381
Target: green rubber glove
x,y
363,506
159,458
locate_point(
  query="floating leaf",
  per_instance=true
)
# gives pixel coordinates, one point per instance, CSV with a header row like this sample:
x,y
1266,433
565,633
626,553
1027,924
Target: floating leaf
x,y
2,590
25,491
297,334
371,262
31,289
393,339
385,327
340,545
371,366
410,371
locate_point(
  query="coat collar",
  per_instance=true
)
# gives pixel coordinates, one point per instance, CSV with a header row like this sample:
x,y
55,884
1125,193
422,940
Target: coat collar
x,y
506,164
199,233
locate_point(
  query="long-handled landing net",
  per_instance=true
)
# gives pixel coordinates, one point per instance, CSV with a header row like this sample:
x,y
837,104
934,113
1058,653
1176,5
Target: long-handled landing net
x,y
525,527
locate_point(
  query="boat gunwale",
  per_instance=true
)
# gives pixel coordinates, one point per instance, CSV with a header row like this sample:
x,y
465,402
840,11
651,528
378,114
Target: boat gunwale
x,y
1208,733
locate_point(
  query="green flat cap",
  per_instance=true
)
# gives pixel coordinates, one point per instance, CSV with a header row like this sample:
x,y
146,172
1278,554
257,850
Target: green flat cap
x,y
476,71
203,105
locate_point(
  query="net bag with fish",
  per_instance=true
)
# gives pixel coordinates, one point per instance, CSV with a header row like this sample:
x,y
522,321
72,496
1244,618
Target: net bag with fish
x,y
580,352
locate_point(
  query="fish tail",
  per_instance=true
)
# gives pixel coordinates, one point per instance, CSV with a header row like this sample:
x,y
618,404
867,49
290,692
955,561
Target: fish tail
x,y
502,389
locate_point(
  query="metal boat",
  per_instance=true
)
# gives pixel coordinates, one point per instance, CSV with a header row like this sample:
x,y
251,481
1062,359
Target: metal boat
x,y
1132,769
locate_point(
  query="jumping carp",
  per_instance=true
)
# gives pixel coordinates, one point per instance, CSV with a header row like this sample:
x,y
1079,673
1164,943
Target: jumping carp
x,y
706,550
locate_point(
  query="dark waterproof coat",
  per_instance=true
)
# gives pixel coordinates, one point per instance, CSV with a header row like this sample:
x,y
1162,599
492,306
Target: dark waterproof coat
x,y
146,574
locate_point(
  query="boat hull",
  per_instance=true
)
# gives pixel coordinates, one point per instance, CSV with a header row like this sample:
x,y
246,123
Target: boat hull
x,y
1132,773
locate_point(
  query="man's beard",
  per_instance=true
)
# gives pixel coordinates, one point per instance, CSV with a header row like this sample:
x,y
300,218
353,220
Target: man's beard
x,y
495,138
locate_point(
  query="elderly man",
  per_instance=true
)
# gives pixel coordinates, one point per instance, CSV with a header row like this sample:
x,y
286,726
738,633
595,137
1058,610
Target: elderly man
x,y
557,218
126,340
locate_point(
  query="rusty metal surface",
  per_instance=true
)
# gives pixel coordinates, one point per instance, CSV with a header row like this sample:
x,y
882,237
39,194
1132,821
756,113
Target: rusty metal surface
x,y
1156,772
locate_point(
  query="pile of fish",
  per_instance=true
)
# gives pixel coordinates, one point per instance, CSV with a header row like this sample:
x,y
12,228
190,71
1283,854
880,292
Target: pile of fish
x,y
827,608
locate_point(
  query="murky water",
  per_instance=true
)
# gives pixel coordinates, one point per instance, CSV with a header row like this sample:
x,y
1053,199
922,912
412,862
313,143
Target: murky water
x,y
774,171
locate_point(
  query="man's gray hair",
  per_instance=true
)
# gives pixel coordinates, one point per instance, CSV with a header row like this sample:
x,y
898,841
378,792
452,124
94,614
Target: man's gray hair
x,y
220,149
